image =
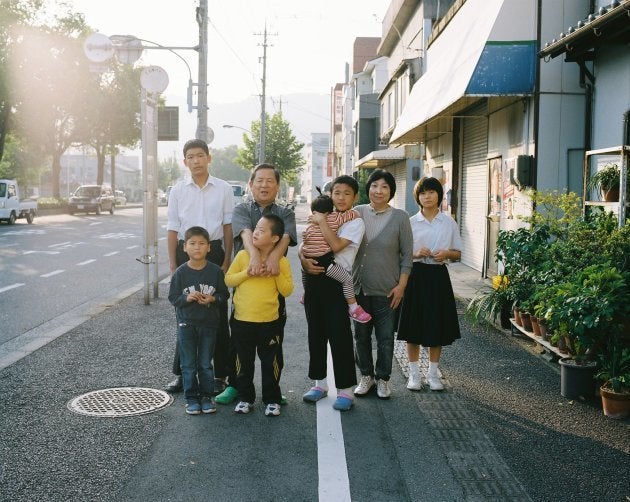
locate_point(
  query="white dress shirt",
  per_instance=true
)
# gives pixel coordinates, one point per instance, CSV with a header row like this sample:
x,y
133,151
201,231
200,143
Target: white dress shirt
x,y
440,233
210,206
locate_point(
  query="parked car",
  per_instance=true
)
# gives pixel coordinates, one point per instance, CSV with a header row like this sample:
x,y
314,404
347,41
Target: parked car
x,y
239,191
92,198
162,198
168,192
120,198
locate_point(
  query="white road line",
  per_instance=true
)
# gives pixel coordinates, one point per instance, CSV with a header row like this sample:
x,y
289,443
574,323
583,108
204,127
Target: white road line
x,y
12,286
54,272
112,253
60,244
331,453
133,247
85,262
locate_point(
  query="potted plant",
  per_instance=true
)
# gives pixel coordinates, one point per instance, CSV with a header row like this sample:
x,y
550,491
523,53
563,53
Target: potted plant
x,y
615,373
606,180
586,310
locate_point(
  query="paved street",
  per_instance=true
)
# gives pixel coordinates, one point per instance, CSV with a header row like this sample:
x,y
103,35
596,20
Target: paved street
x,y
501,430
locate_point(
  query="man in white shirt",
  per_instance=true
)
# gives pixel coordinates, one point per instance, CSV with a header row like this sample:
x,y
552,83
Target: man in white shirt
x,y
205,201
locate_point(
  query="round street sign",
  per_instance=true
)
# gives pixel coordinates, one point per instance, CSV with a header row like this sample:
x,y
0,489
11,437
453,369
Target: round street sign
x,y
128,48
154,79
98,48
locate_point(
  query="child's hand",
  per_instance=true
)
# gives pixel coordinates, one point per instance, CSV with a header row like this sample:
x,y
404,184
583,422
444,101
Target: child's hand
x,y
317,218
193,297
423,252
206,299
440,255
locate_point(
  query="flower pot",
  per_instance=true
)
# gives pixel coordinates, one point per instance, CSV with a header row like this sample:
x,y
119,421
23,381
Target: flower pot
x,y
527,322
611,195
505,317
577,381
517,316
542,325
535,326
615,404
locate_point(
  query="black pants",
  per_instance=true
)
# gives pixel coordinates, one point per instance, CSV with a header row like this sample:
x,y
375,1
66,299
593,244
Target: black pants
x,y
328,322
223,361
264,338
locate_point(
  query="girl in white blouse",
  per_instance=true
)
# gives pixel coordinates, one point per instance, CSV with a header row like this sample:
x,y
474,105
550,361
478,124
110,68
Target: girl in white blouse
x,y
428,315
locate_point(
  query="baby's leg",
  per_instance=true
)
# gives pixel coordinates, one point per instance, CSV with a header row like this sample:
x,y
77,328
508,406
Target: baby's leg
x,y
340,274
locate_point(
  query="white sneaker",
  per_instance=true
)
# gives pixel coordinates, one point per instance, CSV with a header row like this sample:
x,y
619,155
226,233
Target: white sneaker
x,y
272,410
243,407
435,383
414,382
366,383
383,389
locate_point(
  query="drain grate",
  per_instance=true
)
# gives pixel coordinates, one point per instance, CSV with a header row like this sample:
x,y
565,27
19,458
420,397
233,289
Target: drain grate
x,y
120,402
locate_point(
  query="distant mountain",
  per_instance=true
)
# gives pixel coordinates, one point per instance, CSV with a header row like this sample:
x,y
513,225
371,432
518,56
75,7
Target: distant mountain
x,y
307,113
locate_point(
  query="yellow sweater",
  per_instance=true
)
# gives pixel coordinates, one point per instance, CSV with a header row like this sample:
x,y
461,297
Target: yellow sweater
x,y
256,298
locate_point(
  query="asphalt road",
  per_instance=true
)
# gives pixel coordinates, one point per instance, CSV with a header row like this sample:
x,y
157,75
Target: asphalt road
x,y
501,431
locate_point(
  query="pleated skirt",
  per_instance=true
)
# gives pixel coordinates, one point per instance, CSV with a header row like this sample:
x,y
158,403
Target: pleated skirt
x,y
428,315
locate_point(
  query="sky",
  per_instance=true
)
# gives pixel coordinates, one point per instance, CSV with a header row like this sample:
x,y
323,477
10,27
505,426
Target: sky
x,y
309,44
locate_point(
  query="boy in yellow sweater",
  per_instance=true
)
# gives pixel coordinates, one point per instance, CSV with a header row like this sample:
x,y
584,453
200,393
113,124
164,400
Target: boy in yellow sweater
x,y
255,324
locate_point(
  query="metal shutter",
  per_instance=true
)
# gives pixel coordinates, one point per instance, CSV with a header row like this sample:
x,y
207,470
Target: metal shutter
x,y
474,180
399,171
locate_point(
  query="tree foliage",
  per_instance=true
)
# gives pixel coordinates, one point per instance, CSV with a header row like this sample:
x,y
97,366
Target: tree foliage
x,y
224,165
281,148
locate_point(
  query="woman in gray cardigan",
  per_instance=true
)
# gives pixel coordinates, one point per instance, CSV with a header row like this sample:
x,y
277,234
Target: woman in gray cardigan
x,y
381,269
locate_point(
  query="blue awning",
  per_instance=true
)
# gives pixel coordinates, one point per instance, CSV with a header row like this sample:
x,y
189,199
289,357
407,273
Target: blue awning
x,y
471,59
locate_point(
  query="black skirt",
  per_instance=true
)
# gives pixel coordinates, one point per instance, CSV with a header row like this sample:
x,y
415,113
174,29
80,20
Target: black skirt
x,y
428,315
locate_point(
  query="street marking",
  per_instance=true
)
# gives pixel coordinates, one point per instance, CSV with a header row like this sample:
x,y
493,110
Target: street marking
x,y
85,262
54,272
60,244
133,247
12,286
331,453
112,253
44,252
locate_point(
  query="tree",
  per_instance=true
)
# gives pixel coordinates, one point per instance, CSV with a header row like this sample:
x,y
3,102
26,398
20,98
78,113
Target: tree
x,y
225,166
168,172
111,116
13,13
281,148
48,87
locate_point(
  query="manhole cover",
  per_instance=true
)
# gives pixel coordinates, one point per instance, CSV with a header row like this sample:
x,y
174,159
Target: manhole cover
x,y
120,402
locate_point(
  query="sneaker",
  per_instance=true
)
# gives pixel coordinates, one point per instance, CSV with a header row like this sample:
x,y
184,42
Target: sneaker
x,y
207,406
360,315
219,385
243,407
283,400
272,410
176,385
193,408
343,402
228,396
383,389
366,383
315,394
435,383
414,382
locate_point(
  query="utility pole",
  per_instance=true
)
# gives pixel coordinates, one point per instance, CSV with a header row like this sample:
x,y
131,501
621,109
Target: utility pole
x,y
202,85
263,98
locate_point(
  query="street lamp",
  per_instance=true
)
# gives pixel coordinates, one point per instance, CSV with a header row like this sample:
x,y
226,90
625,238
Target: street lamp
x,y
230,126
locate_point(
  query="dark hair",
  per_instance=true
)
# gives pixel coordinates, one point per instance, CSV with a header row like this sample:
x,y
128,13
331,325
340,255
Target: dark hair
x,y
428,183
322,203
196,232
344,179
381,174
277,224
196,143
265,166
